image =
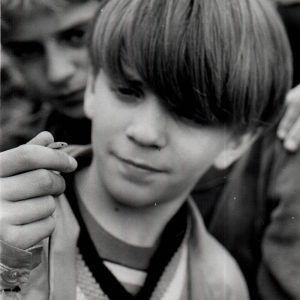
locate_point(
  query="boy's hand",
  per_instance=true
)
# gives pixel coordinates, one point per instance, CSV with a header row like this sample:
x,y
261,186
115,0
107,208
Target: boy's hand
x,y
28,185
289,127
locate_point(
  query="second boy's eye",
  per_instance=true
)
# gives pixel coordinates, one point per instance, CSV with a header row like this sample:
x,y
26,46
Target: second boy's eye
x,y
25,50
75,37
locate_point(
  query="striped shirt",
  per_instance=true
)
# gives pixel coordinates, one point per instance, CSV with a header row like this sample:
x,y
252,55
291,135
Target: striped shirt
x,y
109,266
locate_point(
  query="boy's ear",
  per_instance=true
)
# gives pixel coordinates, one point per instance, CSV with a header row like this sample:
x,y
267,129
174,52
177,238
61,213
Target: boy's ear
x,y
89,97
235,148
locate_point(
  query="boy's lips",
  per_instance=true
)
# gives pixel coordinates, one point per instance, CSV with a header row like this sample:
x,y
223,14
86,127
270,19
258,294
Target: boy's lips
x,y
70,96
142,165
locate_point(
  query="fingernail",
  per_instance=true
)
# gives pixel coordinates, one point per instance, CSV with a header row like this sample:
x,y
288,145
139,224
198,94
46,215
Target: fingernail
x,y
290,145
57,145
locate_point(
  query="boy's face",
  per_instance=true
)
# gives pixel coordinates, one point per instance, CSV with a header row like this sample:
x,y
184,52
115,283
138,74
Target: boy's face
x,y
50,50
143,154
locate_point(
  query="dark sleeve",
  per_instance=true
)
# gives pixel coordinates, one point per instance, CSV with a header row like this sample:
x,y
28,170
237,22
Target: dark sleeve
x,y
279,271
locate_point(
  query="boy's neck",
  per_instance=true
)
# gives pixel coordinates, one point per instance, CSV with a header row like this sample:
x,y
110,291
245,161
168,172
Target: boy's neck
x,y
136,226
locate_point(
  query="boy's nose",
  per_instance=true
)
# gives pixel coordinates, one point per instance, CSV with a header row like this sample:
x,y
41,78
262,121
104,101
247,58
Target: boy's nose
x,y
59,65
148,127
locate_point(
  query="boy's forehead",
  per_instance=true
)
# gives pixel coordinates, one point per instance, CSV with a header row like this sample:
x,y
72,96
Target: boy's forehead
x,y
41,24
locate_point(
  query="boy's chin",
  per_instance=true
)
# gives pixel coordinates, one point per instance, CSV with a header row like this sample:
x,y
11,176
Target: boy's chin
x,y
134,202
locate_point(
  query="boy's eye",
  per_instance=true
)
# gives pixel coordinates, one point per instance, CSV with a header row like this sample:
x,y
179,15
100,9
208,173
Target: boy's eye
x,y
75,37
25,50
129,92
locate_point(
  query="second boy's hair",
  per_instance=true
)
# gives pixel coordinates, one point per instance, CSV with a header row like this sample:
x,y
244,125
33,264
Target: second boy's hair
x,y
14,9
215,62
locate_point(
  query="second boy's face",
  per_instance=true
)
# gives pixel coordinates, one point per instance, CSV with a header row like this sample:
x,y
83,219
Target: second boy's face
x,y
145,155
50,50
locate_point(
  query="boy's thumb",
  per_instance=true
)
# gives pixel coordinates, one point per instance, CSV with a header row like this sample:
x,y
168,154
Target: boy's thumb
x,y
43,139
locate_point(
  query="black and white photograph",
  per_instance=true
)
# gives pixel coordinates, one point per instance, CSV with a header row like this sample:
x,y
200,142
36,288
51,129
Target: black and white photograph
x,y
150,150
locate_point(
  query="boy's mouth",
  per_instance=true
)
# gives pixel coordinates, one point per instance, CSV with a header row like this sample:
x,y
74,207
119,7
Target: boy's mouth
x,y
71,97
141,165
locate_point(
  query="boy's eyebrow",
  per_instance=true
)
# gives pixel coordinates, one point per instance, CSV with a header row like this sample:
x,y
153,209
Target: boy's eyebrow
x,y
58,32
132,78
17,43
73,26
135,83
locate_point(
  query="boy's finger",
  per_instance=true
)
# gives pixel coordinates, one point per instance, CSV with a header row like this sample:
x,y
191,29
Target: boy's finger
x,y
292,140
31,157
44,138
293,95
25,236
31,210
287,123
32,184
292,113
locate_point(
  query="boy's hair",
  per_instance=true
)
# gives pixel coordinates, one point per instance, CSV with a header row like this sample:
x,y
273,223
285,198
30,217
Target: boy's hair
x,y
16,7
13,9
211,62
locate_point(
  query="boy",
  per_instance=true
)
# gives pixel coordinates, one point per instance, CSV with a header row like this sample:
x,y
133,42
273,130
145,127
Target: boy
x,y
47,40
175,86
